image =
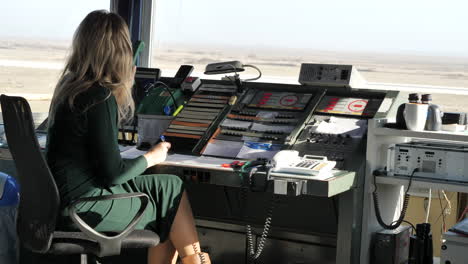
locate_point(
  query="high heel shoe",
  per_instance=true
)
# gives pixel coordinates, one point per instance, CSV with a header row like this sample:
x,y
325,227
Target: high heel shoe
x,y
198,258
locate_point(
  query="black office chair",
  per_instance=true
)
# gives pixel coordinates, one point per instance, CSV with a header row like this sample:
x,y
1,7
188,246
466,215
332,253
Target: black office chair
x,y
39,200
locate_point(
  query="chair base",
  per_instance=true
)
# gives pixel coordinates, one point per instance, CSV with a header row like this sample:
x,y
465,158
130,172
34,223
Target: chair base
x,y
127,256
57,259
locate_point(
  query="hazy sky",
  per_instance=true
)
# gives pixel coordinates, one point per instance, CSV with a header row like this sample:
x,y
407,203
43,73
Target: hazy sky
x,y
422,26
46,19
425,26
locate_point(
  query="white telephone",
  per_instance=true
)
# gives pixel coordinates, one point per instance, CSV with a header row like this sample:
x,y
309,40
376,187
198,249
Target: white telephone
x,y
288,161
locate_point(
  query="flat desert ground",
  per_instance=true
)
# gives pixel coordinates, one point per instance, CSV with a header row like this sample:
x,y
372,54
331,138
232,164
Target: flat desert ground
x,y
33,67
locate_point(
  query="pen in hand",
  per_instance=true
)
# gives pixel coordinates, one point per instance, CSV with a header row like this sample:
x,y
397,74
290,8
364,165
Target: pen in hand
x,y
167,144
157,153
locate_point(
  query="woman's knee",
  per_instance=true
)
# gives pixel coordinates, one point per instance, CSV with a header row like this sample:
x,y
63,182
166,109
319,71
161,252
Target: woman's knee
x,y
174,179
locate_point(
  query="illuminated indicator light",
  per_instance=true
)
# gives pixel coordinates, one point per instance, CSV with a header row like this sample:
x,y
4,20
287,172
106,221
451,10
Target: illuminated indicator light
x,y
357,105
288,100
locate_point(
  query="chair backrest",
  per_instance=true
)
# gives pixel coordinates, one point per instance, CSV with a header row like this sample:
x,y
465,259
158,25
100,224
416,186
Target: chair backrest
x,y
39,197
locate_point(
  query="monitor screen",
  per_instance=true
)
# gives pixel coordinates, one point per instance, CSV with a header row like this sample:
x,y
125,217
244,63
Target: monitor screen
x,y
144,80
280,100
343,105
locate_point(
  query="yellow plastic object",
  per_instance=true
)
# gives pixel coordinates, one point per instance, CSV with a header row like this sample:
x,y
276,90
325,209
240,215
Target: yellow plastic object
x,y
176,112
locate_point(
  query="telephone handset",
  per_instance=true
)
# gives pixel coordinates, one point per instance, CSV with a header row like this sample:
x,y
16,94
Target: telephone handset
x,y
288,161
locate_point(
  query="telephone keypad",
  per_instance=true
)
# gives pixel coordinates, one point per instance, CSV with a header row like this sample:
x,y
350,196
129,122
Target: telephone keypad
x,y
306,164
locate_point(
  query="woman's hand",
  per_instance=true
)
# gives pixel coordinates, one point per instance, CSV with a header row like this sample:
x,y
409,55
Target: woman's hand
x,y
157,154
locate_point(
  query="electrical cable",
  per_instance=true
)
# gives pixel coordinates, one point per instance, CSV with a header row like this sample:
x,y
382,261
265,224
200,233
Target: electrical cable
x,y
168,90
428,209
236,75
442,211
448,202
253,253
398,222
413,228
255,67
154,85
437,220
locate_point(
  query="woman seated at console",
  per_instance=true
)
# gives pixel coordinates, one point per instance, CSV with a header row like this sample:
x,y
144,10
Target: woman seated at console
x,y
91,98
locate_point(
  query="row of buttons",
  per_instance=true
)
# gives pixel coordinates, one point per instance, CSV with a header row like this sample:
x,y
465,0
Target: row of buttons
x,y
327,139
240,134
254,113
306,164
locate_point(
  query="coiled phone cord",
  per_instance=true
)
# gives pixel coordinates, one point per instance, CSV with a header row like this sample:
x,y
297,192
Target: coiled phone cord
x,y
397,223
199,253
255,252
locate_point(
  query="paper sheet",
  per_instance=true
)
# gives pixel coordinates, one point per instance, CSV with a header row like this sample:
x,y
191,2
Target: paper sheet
x,y
205,161
195,161
181,159
223,148
131,153
252,150
355,128
124,148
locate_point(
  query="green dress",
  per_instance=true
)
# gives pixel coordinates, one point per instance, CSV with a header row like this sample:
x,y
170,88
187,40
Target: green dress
x,y
84,157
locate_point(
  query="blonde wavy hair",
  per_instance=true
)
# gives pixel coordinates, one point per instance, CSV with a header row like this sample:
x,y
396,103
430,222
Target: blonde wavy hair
x,y
101,53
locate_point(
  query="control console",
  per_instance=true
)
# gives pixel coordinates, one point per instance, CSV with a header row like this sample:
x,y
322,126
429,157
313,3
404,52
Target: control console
x,y
341,148
338,128
262,123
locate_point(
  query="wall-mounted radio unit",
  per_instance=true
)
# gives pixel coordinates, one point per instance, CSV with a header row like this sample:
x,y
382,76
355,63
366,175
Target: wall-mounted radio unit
x,y
433,160
331,75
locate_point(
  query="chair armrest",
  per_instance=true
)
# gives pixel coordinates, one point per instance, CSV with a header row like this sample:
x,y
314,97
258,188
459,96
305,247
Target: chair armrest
x,y
109,245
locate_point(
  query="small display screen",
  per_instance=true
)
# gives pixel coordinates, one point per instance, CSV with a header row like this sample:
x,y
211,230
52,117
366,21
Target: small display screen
x,y
144,81
348,106
428,166
279,100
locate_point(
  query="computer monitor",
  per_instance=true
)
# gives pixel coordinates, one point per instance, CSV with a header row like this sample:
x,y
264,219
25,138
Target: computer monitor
x,y
144,80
